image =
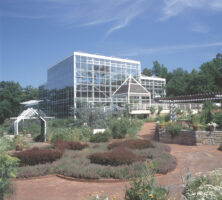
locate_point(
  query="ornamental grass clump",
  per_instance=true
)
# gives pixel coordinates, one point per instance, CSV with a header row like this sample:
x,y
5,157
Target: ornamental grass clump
x,y
118,156
71,145
132,144
38,156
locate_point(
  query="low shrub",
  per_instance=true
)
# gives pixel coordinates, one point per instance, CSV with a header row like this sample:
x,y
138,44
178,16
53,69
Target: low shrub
x,y
132,144
69,134
5,144
72,145
161,159
150,119
118,156
144,188
37,156
119,128
134,127
8,169
16,143
101,137
173,129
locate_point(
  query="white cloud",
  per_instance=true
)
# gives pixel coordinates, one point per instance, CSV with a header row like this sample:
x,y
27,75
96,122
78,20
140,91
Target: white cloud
x,y
134,10
169,49
173,8
119,13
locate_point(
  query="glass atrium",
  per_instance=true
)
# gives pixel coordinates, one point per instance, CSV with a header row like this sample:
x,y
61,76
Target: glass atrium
x,y
84,79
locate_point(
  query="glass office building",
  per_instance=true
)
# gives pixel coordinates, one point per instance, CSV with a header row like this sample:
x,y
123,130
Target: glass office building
x,y
84,79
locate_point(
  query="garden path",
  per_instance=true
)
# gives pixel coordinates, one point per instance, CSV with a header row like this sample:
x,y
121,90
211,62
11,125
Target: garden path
x,y
196,158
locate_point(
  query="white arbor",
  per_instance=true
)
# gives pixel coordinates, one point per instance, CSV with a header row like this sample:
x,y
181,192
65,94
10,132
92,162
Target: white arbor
x,y
31,113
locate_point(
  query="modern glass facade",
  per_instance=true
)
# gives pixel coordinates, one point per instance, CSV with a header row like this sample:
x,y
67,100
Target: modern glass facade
x,y
155,85
84,79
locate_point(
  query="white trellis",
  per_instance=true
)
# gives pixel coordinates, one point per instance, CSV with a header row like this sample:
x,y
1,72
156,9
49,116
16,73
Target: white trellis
x,y
31,113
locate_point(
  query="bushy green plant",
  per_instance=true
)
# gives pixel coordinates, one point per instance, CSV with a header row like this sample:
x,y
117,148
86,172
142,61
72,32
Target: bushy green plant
x,y
218,119
134,127
150,119
160,108
8,169
101,137
144,188
206,114
19,143
152,110
119,128
204,187
5,144
69,134
173,129
196,120
16,143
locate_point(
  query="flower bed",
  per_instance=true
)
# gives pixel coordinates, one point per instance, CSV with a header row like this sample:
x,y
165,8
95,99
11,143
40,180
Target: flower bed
x,y
37,156
132,144
117,156
76,164
205,186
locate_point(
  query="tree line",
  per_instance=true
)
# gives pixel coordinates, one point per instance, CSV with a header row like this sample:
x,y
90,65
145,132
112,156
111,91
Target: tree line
x,y
181,82
11,95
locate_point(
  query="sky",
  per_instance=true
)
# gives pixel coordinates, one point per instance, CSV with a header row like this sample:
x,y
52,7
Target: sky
x,y
36,34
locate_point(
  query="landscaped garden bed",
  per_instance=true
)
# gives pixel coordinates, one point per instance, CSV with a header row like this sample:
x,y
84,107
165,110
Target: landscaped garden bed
x,y
98,162
204,127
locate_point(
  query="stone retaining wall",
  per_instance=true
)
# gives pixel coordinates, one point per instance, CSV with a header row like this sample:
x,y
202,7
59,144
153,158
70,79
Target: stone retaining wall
x,y
187,137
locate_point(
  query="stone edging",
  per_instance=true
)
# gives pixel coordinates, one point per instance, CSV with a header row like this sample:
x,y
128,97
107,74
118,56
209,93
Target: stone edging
x,y
74,179
78,179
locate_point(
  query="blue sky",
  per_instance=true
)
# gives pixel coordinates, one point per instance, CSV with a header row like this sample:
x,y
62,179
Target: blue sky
x,y
35,34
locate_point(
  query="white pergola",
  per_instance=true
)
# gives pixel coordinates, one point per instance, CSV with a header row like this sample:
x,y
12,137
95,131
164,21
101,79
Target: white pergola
x,y
31,113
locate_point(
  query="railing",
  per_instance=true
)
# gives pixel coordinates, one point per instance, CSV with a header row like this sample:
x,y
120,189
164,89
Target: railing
x,y
184,106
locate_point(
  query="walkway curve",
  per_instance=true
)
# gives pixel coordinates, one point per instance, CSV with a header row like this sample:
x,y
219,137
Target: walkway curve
x,y
194,158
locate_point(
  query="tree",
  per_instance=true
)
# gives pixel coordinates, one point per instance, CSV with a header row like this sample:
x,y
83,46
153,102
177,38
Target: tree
x,y
159,70
177,85
11,95
147,72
